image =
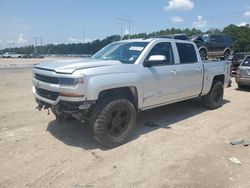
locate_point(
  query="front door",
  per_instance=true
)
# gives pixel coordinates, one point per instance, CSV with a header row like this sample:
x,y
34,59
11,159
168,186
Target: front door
x,y
160,82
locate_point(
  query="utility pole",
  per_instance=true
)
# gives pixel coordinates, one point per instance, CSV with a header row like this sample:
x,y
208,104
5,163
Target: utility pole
x,y
129,26
125,21
35,38
41,41
83,35
121,19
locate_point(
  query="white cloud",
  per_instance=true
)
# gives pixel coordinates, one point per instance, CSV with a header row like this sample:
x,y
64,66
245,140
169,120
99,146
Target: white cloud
x,y
199,23
177,19
182,5
21,40
247,13
242,24
0,41
76,40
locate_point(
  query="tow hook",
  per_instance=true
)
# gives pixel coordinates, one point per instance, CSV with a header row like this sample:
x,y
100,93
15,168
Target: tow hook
x,y
45,107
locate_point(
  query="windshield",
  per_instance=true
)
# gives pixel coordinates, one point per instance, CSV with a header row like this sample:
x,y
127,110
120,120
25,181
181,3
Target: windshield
x,y
125,52
205,38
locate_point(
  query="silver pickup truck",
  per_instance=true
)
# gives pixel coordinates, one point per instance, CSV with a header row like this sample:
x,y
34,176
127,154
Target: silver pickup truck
x,y
126,77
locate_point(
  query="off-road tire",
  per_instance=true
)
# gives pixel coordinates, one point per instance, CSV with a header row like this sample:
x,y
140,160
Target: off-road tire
x,y
214,98
104,123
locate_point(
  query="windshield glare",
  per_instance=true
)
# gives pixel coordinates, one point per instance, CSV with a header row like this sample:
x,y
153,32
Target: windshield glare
x,y
125,52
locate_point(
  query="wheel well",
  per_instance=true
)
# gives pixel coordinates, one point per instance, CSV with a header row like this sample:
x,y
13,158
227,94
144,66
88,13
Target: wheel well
x,y
202,48
220,78
227,50
129,93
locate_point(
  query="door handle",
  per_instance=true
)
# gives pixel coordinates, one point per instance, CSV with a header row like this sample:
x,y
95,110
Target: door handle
x,y
174,72
198,69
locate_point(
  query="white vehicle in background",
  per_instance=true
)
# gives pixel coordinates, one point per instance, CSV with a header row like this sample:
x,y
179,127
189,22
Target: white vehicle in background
x,y
11,55
126,77
243,73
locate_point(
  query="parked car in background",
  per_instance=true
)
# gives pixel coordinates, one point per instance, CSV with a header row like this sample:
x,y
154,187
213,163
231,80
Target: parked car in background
x,y
26,56
11,55
237,60
214,45
243,73
38,56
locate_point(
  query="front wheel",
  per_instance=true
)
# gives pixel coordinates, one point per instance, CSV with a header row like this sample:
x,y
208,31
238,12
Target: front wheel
x,y
226,55
214,98
112,121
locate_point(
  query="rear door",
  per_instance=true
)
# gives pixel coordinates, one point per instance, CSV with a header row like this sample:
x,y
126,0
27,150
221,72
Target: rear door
x,y
190,71
217,45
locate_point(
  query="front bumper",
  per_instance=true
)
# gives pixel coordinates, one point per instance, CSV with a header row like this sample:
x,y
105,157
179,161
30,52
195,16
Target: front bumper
x,y
46,87
58,99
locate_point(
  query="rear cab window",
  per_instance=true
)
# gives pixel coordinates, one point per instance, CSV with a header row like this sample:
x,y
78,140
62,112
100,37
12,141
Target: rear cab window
x,y
187,53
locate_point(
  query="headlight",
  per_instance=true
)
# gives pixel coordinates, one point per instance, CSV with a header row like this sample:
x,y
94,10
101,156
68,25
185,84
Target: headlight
x,y
71,81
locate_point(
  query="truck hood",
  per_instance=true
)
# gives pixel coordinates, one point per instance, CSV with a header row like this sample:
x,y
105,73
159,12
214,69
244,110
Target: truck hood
x,y
69,66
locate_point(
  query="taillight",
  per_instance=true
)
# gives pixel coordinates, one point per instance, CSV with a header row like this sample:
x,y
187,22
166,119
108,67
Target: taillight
x,y
238,72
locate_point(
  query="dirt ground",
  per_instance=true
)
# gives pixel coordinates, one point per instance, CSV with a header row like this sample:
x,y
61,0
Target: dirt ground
x,y
190,146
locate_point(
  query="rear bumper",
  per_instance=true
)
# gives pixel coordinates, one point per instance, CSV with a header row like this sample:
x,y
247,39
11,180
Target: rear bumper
x,y
243,81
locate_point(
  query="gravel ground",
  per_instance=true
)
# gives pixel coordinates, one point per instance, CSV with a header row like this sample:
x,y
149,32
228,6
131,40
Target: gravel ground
x,y
189,146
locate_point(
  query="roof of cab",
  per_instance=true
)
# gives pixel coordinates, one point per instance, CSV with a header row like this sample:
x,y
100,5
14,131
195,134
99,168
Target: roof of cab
x,y
155,39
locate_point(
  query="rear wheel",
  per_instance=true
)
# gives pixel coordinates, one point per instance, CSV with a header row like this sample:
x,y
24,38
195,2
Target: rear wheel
x,y
203,54
112,121
214,98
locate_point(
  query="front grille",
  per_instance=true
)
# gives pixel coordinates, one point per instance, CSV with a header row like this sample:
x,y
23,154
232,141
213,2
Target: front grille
x,y
47,94
47,79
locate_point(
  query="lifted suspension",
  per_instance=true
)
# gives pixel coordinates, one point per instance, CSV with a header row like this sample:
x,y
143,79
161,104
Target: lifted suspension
x,y
43,107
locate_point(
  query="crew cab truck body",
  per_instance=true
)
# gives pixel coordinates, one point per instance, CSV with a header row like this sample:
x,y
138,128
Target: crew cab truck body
x,y
125,77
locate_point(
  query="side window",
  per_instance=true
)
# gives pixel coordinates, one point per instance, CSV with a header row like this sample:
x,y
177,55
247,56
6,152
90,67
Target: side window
x,y
187,53
163,48
217,38
228,40
246,61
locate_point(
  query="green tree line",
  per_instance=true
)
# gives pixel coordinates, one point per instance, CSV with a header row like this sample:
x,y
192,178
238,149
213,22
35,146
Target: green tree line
x,y
240,36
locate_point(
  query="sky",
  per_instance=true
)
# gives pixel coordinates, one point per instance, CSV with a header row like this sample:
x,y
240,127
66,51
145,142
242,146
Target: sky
x,y
26,22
